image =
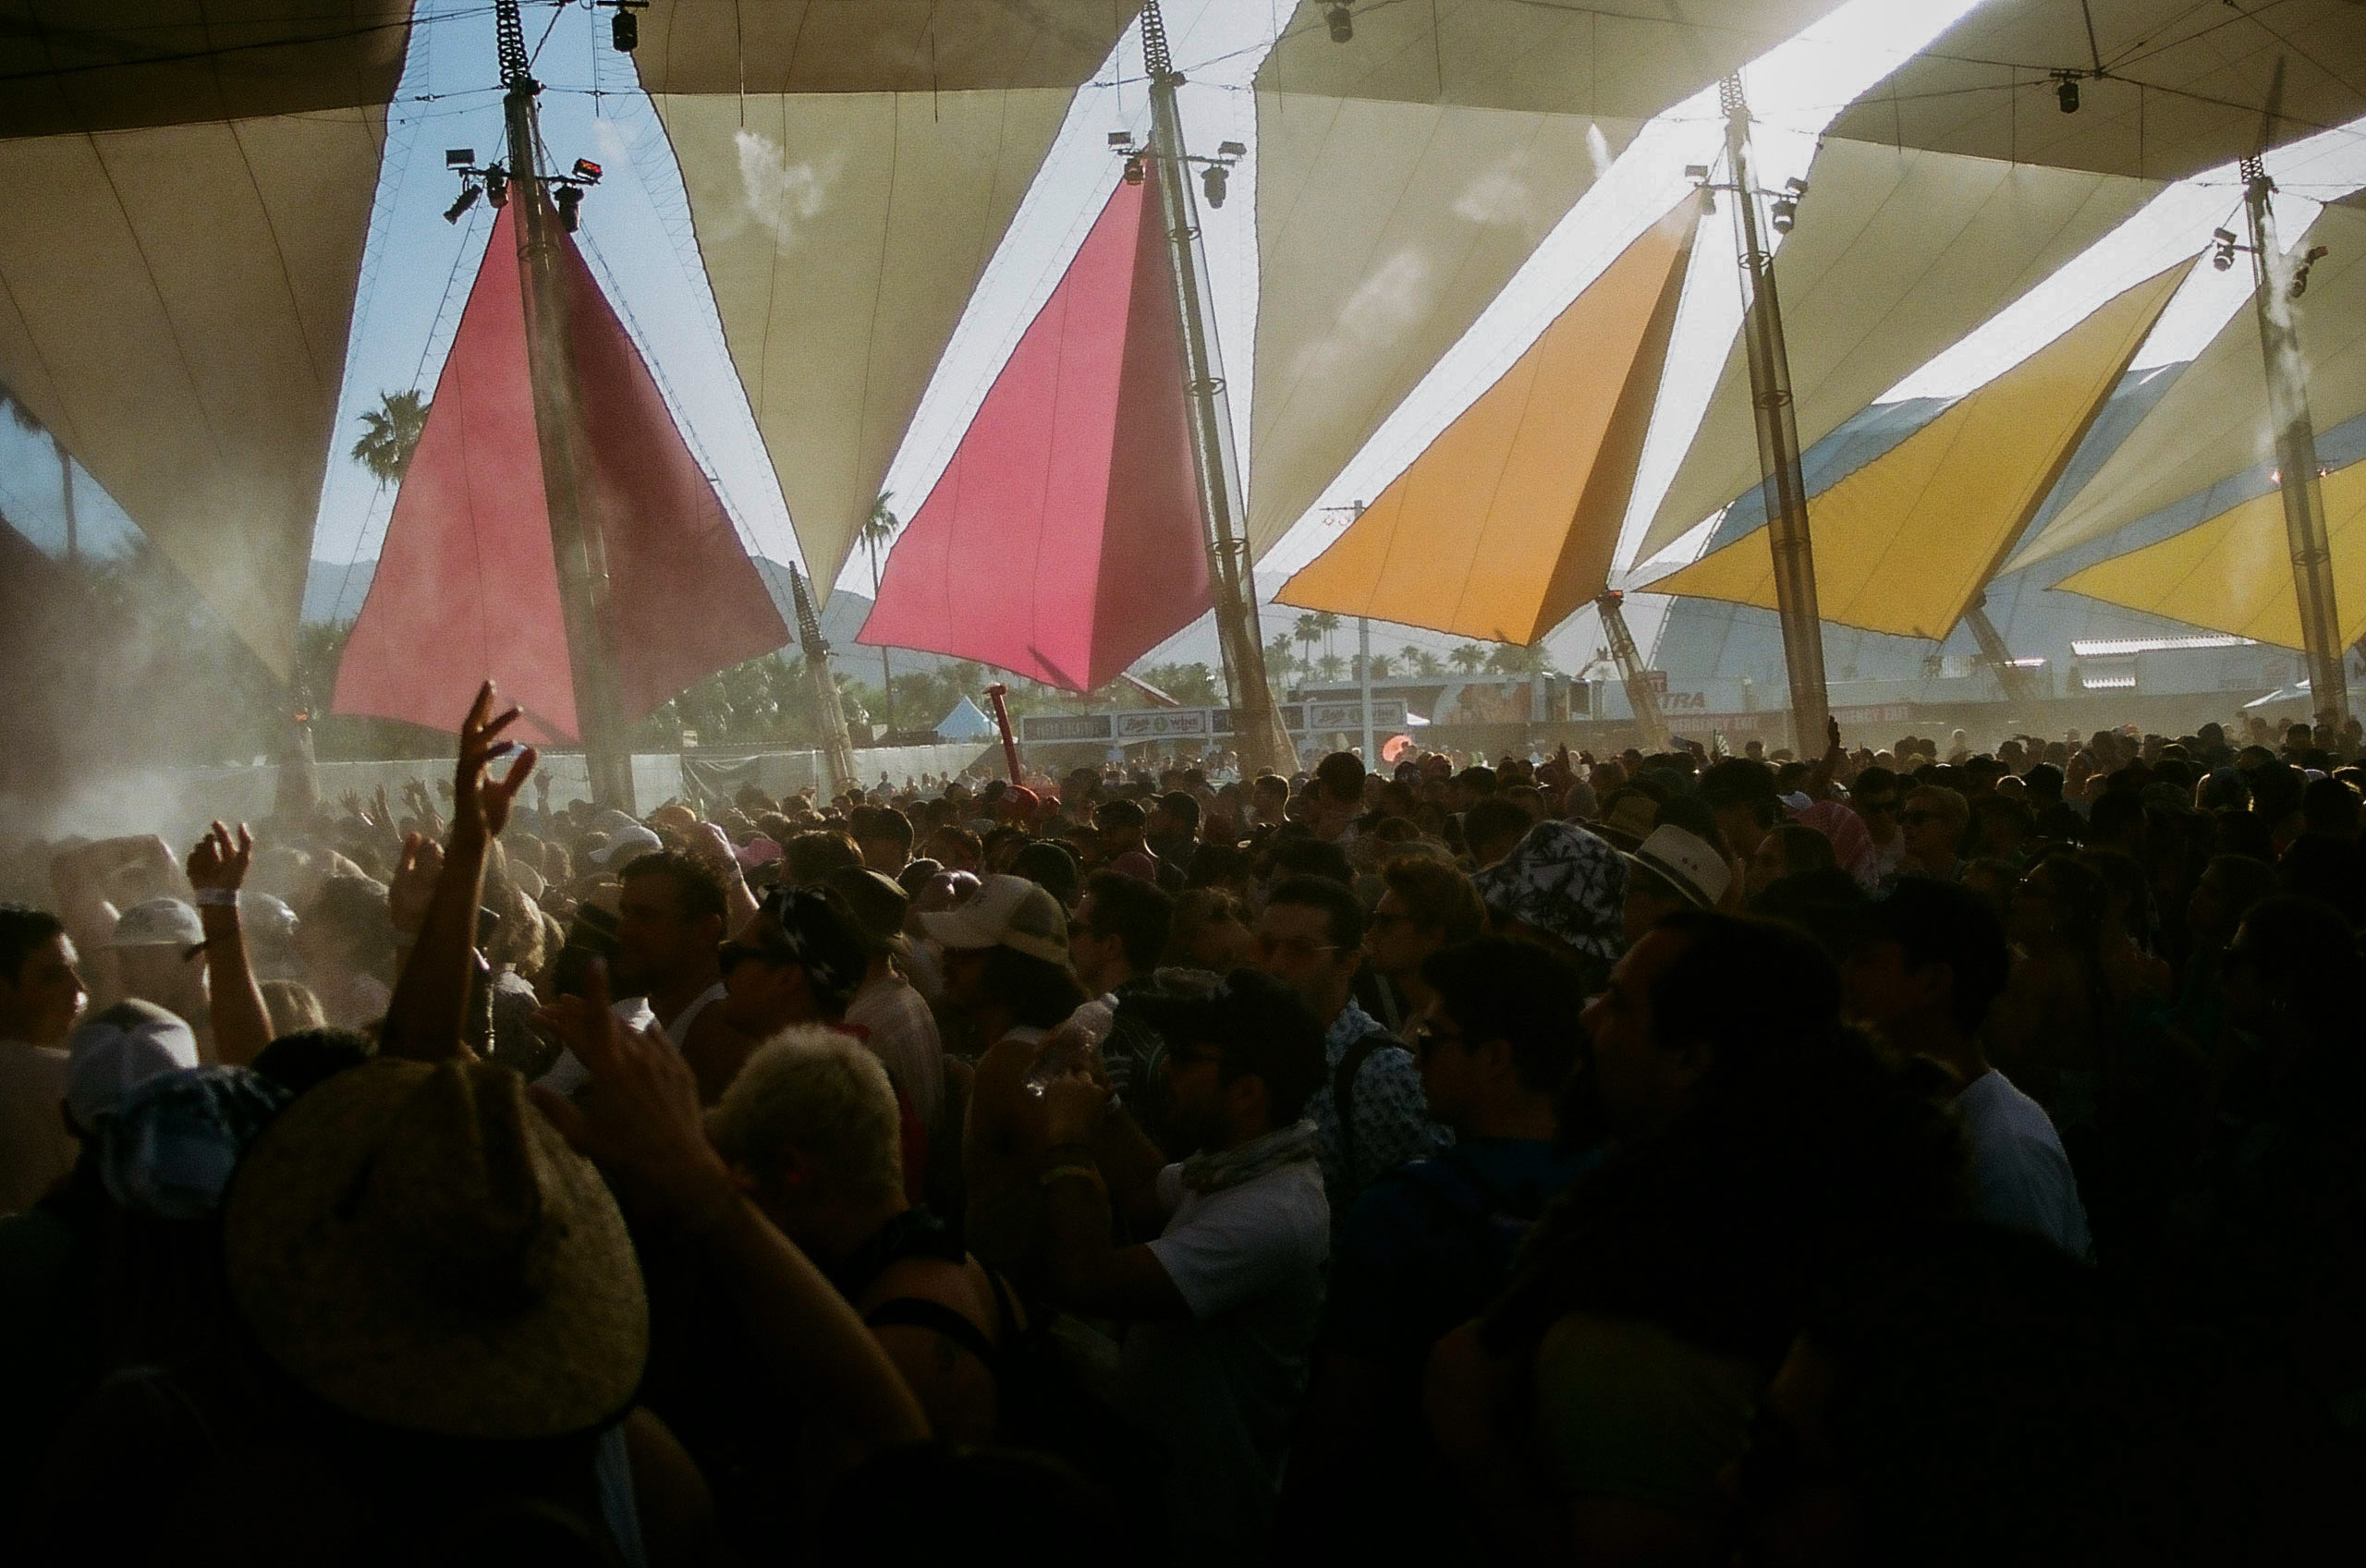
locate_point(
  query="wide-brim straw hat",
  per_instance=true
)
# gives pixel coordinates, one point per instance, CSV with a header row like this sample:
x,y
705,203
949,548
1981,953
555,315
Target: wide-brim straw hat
x,y
417,1245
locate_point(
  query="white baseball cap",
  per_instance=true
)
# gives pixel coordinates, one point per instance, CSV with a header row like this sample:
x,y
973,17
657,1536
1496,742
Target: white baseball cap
x,y
160,922
1005,912
118,1049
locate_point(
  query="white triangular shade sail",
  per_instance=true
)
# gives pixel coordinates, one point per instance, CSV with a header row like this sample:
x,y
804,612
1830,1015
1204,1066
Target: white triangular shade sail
x,y
2232,574
2183,92
1906,543
843,234
1405,176
188,193
1897,255
2212,424
850,169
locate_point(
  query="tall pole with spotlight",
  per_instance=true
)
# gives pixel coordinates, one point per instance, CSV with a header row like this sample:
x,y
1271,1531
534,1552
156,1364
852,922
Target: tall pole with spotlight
x,y
2279,280
1783,485
1257,733
547,205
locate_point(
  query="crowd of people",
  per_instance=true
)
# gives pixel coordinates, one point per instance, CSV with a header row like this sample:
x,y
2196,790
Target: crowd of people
x,y
1916,1156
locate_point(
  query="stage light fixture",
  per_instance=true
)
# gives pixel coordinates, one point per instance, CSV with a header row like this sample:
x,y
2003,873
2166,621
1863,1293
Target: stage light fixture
x,y
2066,91
1211,181
1134,169
467,199
459,157
2223,255
587,171
1342,21
496,187
568,198
625,31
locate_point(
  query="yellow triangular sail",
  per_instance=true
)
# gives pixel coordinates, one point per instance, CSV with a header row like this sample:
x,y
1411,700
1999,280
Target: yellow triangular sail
x,y
1905,544
2232,574
1506,523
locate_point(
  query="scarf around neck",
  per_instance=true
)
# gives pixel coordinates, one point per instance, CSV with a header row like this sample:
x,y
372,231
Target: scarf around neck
x,y
1214,1171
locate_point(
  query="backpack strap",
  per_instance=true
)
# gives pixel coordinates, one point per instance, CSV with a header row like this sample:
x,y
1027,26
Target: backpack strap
x,y
919,1312
1343,1095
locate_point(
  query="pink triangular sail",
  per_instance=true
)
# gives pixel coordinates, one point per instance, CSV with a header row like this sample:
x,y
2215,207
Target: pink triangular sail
x,y
467,586
1063,541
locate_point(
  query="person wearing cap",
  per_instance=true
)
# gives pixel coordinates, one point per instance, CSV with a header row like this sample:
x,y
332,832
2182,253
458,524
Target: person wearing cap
x,y
1123,847
895,1020
1220,1310
41,995
797,960
884,836
1671,869
159,951
1924,974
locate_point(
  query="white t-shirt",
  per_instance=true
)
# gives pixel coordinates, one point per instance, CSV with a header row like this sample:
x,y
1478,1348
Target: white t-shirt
x,y
567,1075
901,1032
2022,1179
1222,1389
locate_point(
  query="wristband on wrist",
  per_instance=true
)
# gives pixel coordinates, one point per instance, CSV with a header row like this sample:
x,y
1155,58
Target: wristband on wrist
x,y
215,897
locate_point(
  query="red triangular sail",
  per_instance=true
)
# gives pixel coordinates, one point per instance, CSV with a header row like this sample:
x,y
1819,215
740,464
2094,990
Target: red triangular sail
x,y
1064,539
466,585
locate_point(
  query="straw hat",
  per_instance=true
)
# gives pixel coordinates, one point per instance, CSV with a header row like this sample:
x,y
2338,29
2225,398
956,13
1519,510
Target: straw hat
x,y
417,1245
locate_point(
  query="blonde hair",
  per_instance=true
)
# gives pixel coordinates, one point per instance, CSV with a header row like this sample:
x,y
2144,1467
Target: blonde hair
x,y
292,1006
822,1094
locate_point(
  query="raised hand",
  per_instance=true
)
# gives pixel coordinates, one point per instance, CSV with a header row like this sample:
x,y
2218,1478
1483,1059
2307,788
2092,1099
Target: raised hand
x,y
350,804
382,815
413,884
220,861
481,803
641,1110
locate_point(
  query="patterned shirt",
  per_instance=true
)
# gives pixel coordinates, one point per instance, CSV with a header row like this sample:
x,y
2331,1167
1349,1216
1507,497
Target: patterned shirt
x,y
1392,1114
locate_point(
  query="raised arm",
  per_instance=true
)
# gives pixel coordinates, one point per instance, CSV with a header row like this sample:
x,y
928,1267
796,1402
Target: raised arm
x,y
640,1114
217,868
426,1016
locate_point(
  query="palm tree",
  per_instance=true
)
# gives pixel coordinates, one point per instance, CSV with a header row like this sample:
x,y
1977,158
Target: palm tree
x,y
390,435
1381,667
1308,629
1331,666
877,531
1279,659
1426,662
1325,622
1468,657
1411,653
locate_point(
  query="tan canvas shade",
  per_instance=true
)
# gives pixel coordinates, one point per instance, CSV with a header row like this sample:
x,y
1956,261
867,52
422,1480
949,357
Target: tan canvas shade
x,y
1506,525
1384,230
843,234
851,167
2213,423
2232,574
1906,543
1404,176
1897,255
187,191
2183,91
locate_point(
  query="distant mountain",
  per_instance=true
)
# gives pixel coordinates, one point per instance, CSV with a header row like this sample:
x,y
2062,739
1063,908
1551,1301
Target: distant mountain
x,y
334,591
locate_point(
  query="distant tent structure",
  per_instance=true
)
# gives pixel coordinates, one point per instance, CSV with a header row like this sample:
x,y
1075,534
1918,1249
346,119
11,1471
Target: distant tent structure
x,y
1906,543
1508,522
466,585
1405,174
850,170
1899,255
966,721
1064,539
2232,573
189,192
2212,424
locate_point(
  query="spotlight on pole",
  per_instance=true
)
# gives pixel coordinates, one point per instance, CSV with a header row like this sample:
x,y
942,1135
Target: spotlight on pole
x,y
624,29
1342,21
2223,255
568,198
587,171
1786,212
1211,181
1121,140
467,199
459,157
1134,169
2066,91
496,187
2300,273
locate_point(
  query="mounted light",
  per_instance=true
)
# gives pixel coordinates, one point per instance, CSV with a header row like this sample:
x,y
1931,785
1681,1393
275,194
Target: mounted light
x,y
2066,91
1212,180
467,199
2223,257
459,157
496,187
1696,172
625,31
1343,22
1231,149
1122,140
569,198
2300,273
587,171
1786,213
1134,169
